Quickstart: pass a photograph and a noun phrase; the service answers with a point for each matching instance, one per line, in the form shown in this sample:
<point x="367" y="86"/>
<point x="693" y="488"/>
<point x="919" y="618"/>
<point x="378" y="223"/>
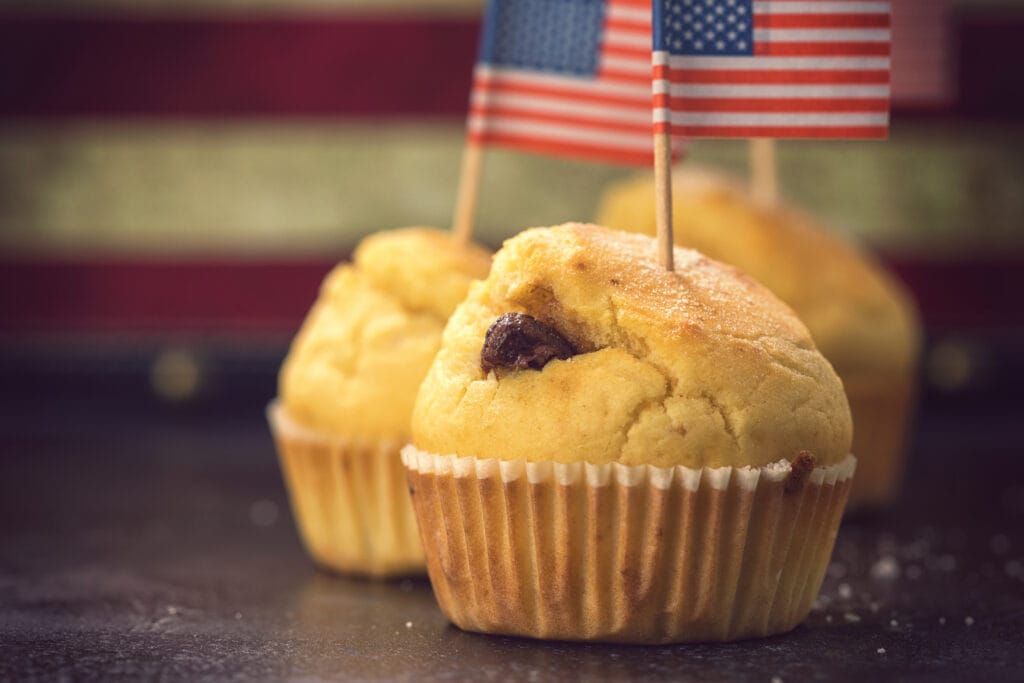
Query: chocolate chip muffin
<point x="863" y="321"/>
<point x="605" y="450"/>
<point x="346" y="395"/>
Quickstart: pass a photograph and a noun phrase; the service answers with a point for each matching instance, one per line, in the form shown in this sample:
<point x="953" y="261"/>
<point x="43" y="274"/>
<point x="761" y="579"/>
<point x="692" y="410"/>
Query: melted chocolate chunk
<point x="518" y="341"/>
<point x="800" y="468"/>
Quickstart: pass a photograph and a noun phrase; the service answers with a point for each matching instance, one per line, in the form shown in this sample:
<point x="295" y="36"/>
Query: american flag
<point x="773" y="68"/>
<point x="566" y="77"/>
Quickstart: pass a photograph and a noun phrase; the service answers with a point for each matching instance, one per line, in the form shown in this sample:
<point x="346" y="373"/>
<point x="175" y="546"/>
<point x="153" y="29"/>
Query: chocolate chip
<point x="800" y="469"/>
<point x="518" y="341"/>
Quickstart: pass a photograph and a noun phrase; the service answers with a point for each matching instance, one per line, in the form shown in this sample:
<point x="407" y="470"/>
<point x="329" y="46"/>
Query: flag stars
<point x="708" y="26"/>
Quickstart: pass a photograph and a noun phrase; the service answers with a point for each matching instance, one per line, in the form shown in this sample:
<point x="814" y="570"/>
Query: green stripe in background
<point x="304" y="189"/>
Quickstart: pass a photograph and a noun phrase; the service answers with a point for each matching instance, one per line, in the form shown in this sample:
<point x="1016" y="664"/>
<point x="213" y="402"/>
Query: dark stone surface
<point x="139" y="542"/>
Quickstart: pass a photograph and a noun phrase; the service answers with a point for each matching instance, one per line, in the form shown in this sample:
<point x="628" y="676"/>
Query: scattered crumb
<point x="969" y="621"/>
<point x="942" y="620"/>
<point x="172" y="610"/>
<point x="776" y="679"/>
<point x="845" y="592"/>
<point x="828" y="618"/>
<point x="885" y="568"/>
<point x="408" y="624"/>
<point x="874" y="607"/>
<point x="238" y="615"/>
<point x="851" y="618"/>
<point x="881" y="650"/>
<point x="893" y="623"/>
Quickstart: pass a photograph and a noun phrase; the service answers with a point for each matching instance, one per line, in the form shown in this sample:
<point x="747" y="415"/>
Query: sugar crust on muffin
<point x="699" y="367"/>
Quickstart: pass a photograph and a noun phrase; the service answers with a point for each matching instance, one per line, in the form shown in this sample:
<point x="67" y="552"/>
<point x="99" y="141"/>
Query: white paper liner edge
<point x="625" y="475"/>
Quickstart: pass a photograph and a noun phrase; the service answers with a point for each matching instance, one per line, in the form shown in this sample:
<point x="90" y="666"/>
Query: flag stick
<point x="763" y="171"/>
<point x="468" y="191"/>
<point x="663" y="197"/>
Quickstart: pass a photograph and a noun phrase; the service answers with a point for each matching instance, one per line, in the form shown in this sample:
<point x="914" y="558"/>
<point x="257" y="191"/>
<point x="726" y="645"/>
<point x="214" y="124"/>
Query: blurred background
<point x="176" y="176"/>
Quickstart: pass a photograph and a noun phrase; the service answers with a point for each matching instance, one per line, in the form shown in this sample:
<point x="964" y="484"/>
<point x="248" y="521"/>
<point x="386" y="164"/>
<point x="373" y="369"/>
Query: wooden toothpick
<point x="468" y="192"/>
<point x="663" y="198"/>
<point x="764" y="181"/>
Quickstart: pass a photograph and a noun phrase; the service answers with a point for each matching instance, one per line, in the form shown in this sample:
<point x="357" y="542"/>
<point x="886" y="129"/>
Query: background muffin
<point x="347" y="389"/>
<point x="861" y="319"/>
<point x="641" y="464"/>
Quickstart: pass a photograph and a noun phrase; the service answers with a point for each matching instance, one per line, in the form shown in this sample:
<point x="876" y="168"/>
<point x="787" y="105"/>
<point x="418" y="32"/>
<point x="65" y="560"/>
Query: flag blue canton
<point x="708" y="27"/>
<point x="558" y="36"/>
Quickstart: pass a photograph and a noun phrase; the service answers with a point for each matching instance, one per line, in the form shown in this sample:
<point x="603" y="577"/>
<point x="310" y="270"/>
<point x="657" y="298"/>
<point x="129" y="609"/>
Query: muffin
<point x="862" y="320"/>
<point x="606" y="450"/>
<point x="346" y="393"/>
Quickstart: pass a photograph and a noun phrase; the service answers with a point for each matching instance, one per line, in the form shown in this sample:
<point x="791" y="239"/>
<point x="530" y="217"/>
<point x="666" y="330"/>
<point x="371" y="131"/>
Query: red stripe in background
<point x="222" y="67"/>
<point x="83" y="295"/>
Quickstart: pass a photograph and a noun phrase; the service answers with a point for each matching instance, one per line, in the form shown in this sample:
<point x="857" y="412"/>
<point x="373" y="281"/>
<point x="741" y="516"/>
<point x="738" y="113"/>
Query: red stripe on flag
<point x="574" y="120"/>
<point x="768" y="105"/>
<point x="815" y="132"/>
<point x="564" y="93"/>
<point x="821" y="21"/>
<point x="562" y="148"/>
<point x="822" y="49"/>
<point x="640" y="53"/>
<point x="627" y="26"/>
<point x="787" y="77"/>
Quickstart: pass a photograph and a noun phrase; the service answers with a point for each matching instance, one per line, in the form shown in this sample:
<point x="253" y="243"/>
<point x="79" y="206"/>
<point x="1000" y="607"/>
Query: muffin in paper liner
<point x="349" y="499"/>
<point x="633" y="554"/>
<point x="881" y="409"/>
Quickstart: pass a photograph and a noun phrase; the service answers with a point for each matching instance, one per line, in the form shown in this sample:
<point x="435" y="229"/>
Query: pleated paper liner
<point x="633" y="554"/>
<point x="881" y="409"/>
<point x="350" y="500"/>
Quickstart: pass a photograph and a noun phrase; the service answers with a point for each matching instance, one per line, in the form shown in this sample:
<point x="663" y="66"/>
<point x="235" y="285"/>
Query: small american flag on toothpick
<point x="776" y="68"/>
<point x="566" y="77"/>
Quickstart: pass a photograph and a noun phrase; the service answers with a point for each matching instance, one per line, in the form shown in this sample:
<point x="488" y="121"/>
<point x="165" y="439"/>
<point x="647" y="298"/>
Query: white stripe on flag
<point x="512" y="77"/>
<point x="628" y="38"/>
<point x="787" y="119"/>
<point x="541" y="104"/>
<point x="640" y="142"/>
<point x="781" y="91"/>
<point x="769" y="63"/>
<point x="630" y="14"/>
<point x="822" y="35"/>
<point x="627" y="64"/>
<point x="816" y="7"/>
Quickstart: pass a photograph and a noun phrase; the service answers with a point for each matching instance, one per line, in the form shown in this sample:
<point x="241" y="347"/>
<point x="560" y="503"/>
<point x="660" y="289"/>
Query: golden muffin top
<point x="698" y="367"/>
<point x="860" y="317"/>
<point x="355" y="365"/>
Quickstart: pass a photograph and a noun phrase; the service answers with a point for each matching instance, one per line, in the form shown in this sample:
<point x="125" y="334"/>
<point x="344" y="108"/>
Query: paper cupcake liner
<point x="635" y="554"/>
<point x="881" y="410"/>
<point x="350" y="500"/>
